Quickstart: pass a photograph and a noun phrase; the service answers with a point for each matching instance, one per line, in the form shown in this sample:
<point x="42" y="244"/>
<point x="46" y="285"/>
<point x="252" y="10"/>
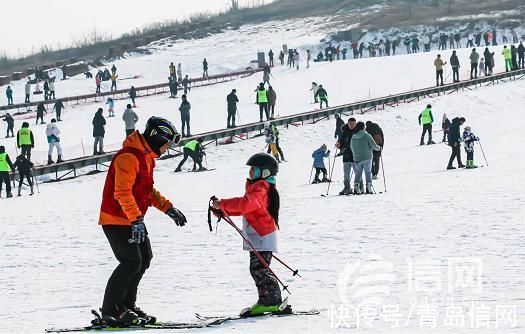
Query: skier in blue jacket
<point x="319" y="155"/>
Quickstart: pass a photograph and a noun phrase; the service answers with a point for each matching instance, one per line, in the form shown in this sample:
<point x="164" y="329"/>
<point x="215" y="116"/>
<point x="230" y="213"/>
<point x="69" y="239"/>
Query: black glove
<point x="178" y="217"/>
<point x="328" y="151"/>
<point x="138" y="232"/>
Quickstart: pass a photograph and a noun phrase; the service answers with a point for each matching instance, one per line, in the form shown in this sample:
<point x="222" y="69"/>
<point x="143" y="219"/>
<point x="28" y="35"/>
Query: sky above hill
<point x="30" y="24"/>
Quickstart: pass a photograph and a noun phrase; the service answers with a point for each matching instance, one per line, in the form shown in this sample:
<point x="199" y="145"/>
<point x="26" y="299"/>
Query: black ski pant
<point x="113" y="85"/>
<point x="456" y="154"/>
<point x="445" y="135"/>
<point x="41" y="118"/>
<point x="59" y="114"/>
<point x="185" y="120"/>
<point x="267" y="285"/>
<point x="426" y="128"/>
<point x="188" y="153"/>
<point x="474" y="70"/>
<point x="129" y="131"/>
<point x="10" y="129"/>
<point x="5" y="178"/>
<point x="27" y="99"/>
<point x="470" y="155"/>
<point x="271" y="110"/>
<point x="26" y="175"/>
<point x="521" y="60"/>
<point x="232" y="111"/>
<point x="26" y="150"/>
<point x="455" y="73"/>
<point x="134" y="259"/>
<point x="264" y="107"/>
<point x="318" y="171"/>
<point x="376" y="160"/>
<point x="439" y="75"/>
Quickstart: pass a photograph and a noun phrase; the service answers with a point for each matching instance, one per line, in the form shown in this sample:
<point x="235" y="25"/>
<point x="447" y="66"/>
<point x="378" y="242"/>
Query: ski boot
<point x="32" y="192"/>
<point x="59" y="160"/>
<point x="422" y="142"/>
<point x="325" y="179"/>
<point x="150" y="320"/>
<point x="49" y="160"/>
<point x="449" y="167"/>
<point x="357" y="189"/>
<point x="461" y="165"/>
<point x="125" y="319"/>
<point x="430" y="142"/>
<point x="19" y="191"/>
<point x="346" y="190"/>
<point x="316" y="180"/>
<point x="201" y="169"/>
<point x="9" y="195"/>
<point x="178" y="169"/>
<point x="369" y="189"/>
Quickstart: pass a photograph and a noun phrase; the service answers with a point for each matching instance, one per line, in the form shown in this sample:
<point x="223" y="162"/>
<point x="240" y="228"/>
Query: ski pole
<point x="481" y="146"/>
<point x="224" y="216"/>
<point x="239" y="116"/>
<point x="331" y="173"/>
<point x="295" y="272"/>
<point x="383" y="169"/>
<point x="311" y="172"/>
<point x="36" y="181"/>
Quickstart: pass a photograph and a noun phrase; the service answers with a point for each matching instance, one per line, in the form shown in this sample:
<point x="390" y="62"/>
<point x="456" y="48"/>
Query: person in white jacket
<point x="52" y="90"/>
<point x="314" y="89"/>
<point x="53" y="139"/>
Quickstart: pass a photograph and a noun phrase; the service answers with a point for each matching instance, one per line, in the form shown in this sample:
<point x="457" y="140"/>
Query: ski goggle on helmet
<point x="161" y="131"/>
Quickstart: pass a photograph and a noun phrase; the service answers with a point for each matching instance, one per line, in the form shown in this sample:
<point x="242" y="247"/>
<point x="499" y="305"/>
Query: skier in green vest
<point x="426" y="119"/>
<point x="262" y="101"/>
<point x="25" y="140"/>
<point x="6" y="167"/>
<point x="194" y="150"/>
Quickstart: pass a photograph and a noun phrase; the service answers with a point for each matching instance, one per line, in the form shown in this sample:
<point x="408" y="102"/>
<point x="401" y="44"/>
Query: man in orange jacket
<point x="128" y="193"/>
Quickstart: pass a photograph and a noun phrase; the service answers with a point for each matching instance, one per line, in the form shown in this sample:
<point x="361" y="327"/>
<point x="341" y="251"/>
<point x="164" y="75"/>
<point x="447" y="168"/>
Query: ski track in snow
<point x="55" y="259"/>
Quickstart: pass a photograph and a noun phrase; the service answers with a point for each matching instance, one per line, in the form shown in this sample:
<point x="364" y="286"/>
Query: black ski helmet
<point x="265" y="162"/>
<point x="158" y="132"/>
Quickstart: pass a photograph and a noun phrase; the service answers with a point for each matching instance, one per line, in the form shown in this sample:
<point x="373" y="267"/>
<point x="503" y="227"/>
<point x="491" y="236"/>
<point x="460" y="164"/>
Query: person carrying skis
<point x="319" y="155"/>
<point x="111" y="107"/>
<point x="10" y="124"/>
<point x="376" y="132"/>
<point x="24" y="167"/>
<point x="323" y="97"/>
<point x="262" y="101"/>
<point x="445" y="126"/>
<point x="58" y="109"/>
<point x="128" y="193"/>
<point x="25" y="140"/>
<point x="194" y="150"/>
<point x="426" y="119"/>
<point x="6" y="167"/>
<point x="53" y="139"/>
<point x="362" y="145"/>
<point x="454" y="141"/>
<point x="232" y="101"/>
<point x="259" y="208"/>
<point x="469" y="139"/>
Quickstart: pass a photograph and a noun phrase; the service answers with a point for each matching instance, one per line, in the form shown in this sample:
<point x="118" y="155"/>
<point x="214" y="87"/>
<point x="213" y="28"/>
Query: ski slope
<point x="346" y="81"/>
<point x="56" y="260"/>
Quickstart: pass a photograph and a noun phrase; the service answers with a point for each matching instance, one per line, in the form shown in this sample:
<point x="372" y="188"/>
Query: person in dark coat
<point x="204" y="68"/>
<point x="40" y="110"/>
<point x="99" y="131"/>
<point x="377" y="133"/>
<point x="232" y="100"/>
<point x="272" y="97"/>
<point x="184" y="109"/>
<point x="338" y="125"/>
<point x="46" y="90"/>
<point x="454" y="141"/>
<point x="173" y="87"/>
<point x="58" y="109"/>
<point x="514" y="54"/>
<point x="24" y="167"/>
<point x="521" y="55"/>
<point x="133" y="95"/>
<point x="343" y="144"/>
<point x="10" y="125"/>
<point x="454" y="62"/>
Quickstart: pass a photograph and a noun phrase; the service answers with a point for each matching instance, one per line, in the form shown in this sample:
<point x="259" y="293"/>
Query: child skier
<point x="482" y="66"/>
<point x="445" y="125"/>
<point x="111" y="107"/>
<point x="469" y="138"/>
<point x="24" y="169"/>
<point x="319" y="156"/>
<point x="271" y="140"/>
<point x="260" y="210"/>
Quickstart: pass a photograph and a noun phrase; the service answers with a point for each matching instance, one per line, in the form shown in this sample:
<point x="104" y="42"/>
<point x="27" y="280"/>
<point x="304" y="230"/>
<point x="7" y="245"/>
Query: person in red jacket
<point x="260" y="210"/>
<point x="128" y="193"/>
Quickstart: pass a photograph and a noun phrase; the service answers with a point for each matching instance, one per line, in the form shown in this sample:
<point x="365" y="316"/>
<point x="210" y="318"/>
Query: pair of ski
<point x="203" y="322"/>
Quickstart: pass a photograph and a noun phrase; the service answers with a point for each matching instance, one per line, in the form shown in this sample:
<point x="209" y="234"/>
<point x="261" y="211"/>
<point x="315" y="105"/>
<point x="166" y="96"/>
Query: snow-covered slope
<point x="55" y="259"/>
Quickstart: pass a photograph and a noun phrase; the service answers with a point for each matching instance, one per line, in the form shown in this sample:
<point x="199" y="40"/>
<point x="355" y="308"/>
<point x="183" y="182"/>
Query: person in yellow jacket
<point x="439" y="63"/>
<point x="6" y="167"/>
<point x="25" y="140"/>
<point x="193" y="149"/>
<point x="508" y="58"/>
<point x="114" y="78"/>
